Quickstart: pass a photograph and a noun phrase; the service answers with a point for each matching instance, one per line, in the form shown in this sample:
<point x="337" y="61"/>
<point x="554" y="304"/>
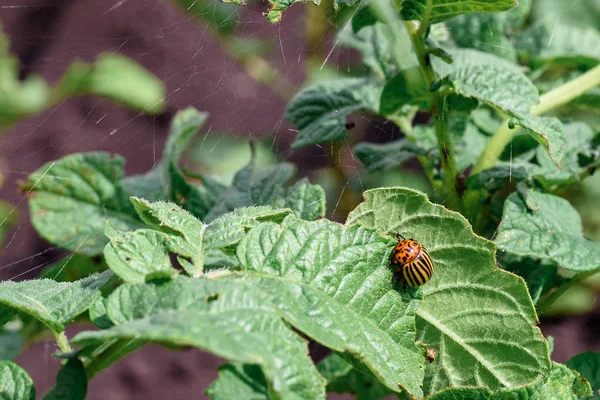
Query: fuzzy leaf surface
<point x="226" y="317"/>
<point x="588" y="365"/>
<point x="334" y="285"/>
<point x="544" y="226"/>
<point x="467" y="303"/>
<point x="72" y="198"/>
<point x="15" y="384"/>
<point x="50" y="302"/>
<point x="562" y="383"/>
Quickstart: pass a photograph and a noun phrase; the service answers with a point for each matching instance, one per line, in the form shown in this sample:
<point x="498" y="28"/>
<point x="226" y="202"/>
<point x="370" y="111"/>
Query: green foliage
<point x="239" y="260"/>
<point x="72" y="198"/>
<point x="15" y="383"/>
<point x="461" y="297"/>
<point x="71" y="382"/>
<point x="588" y="365"/>
<point x="53" y="303"/>
<point x="195" y="311"/>
<point x="320" y="111"/>
<point x="546" y="227"/>
<point x="239" y="381"/>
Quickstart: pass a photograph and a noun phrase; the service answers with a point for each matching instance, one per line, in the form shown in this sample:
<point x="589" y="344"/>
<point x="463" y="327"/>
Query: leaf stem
<point x="548" y="101"/>
<point x="545" y="303"/>
<point x="438" y="113"/>
<point x="63" y="342"/>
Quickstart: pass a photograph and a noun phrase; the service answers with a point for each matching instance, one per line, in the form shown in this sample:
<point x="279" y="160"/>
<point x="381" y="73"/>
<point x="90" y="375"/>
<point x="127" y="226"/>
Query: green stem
<point x="63" y="342"/>
<point x="549" y="101"/>
<point x="567" y="92"/>
<point x="441" y="120"/>
<point x="546" y="302"/>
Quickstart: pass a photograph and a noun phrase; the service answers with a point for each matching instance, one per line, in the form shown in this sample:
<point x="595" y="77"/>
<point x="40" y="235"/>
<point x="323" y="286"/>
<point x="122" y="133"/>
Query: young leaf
<point x="117" y="78"/>
<point x="195" y="311"/>
<point x="506" y="89"/>
<point x="230" y="228"/>
<point x="15" y="384"/>
<point x="198" y="199"/>
<point x="71" y="382"/>
<point x="465" y="293"/>
<point x="376" y="157"/>
<point x="588" y="365"/>
<point x="562" y="383"/>
<point x="72" y="198"/>
<point x="166" y="179"/>
<point x="185" y="231"/>
<point x="442" y="10"/>
<point x="135" y="255"/>
<point x="319" y="111"/>
<point x="333" y="284"/>
<point x="53" y="303"/>
<point x="261" y="187"/>
<point x="343" y="378"/>
<point x="548" y="228"/>
<point x="239" y="381"/>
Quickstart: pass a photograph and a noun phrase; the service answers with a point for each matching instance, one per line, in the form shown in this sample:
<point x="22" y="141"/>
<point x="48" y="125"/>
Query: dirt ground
<point x="49" y="34"/>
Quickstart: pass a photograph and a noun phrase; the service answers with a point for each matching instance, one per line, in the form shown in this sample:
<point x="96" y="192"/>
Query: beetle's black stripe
<point x="420" y="272"/>
<point x="427" y="259"/>
<point x="427" y="264"/>
<point x="408" y="276"/>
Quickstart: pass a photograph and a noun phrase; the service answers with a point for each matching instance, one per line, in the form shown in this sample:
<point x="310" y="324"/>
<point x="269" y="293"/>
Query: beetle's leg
<point x="399" y="236"/>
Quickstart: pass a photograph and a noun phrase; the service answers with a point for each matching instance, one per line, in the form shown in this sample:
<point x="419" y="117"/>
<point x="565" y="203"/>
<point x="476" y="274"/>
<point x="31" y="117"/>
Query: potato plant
<point x="253" y="270"/>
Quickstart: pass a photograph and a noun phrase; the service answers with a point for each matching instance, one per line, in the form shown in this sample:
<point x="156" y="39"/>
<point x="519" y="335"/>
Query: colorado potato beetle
<point x="413" y="262"/>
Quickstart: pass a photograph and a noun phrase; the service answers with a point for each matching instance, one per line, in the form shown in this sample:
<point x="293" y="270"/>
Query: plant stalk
<point x="63" y="342"/>
<point x="548" y="101"/>
<point x="441" y="121"/>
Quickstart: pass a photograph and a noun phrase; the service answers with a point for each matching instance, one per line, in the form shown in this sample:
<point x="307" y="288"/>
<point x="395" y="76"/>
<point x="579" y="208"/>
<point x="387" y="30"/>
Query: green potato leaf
<point x="514" y="94"/>
<point x="239" y="381"/>
<point x="72" y="198"/>
<point x="226" y="317"/>
<point x="15" y="384"/>
<point x="53" y="303"/>
<point x="562" y="383"/>
<point x="546" y="227"/>
<point x="319" y="111"/>
<point x="588" y="365"/>
<point x="467" y="303"/>
<point x="71" y="382"/>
